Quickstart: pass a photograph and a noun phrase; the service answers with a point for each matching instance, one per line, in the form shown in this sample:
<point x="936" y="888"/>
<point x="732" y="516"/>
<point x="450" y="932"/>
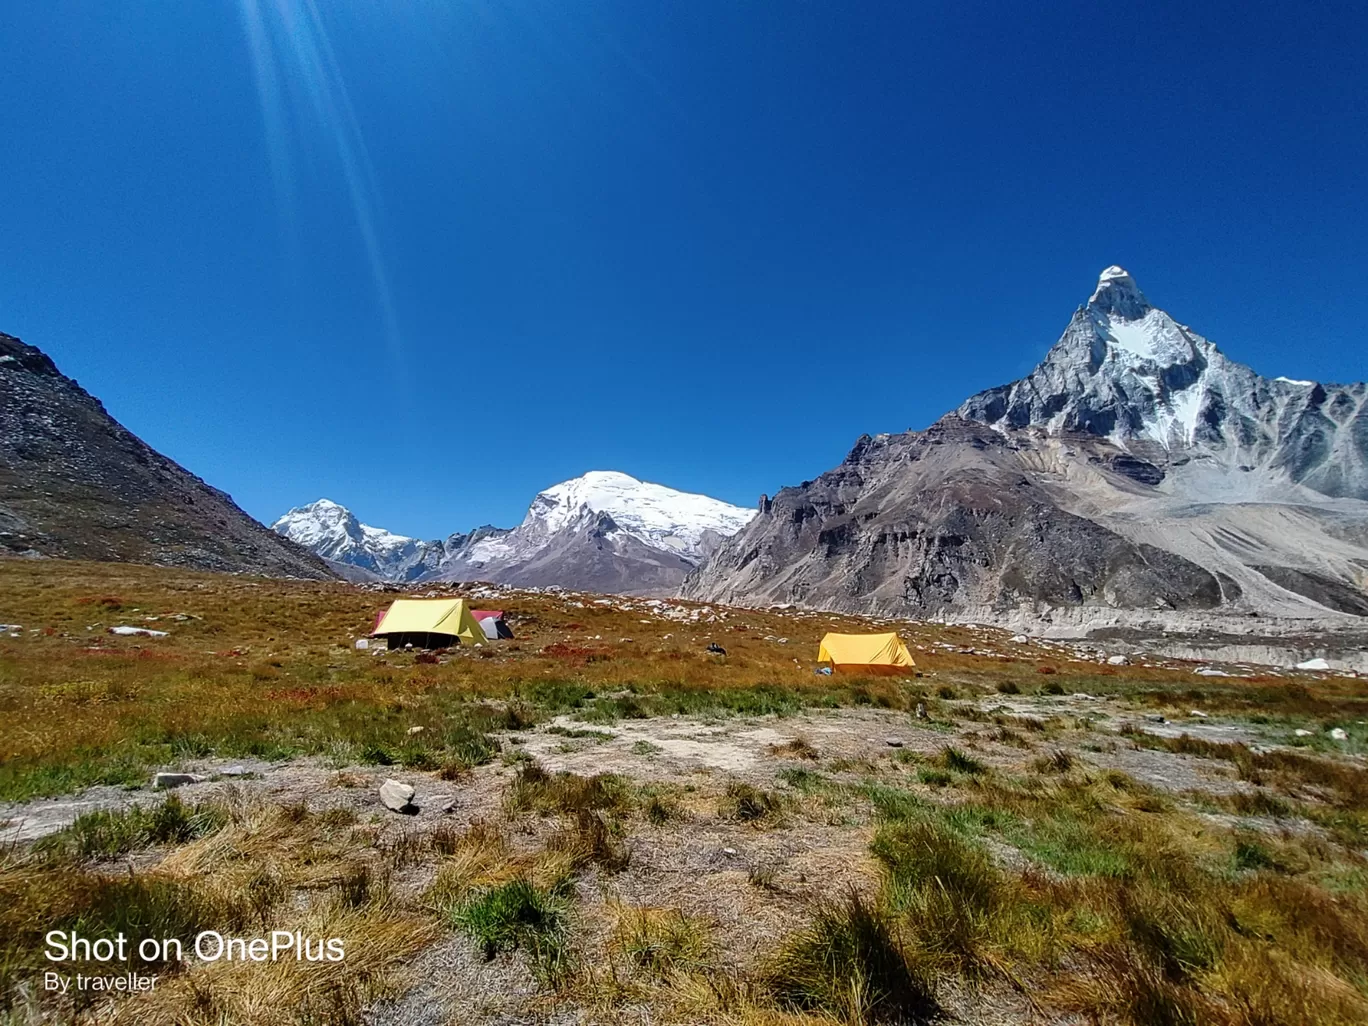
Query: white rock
<point x="397" y="797"/>
<point x="363" y="643"/>
<point x="1019" y="639"/>
<point x="1301" y="733"/>
<point x="1314" y="664"/>
<point x="416" y="730"/>
<point x="1198" y="713"/>
<point x="141" y="632"/>
<point x="1118" y="660"/>
<point x="1339" y="734"/>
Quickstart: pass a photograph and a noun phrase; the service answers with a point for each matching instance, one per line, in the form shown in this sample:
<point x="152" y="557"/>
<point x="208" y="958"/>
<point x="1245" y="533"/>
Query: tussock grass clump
<point x="796" y="748"/>
<point x="662" y="942"/>
<point x="536" y="790"/>
<point x="1058" y="761"/>
<point x="106" y="834"/>
<point x="520" y="915"/>
<point x="588" y="838"/>
<point x="954" y="760"/>
<point x="946" y="890"/>
<point x="749" y="804"/>
<point x="850" y="966"/>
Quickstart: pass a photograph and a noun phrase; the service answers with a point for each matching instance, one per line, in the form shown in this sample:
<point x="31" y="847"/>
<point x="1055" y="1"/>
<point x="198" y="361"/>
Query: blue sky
<point x="426" y="258"/>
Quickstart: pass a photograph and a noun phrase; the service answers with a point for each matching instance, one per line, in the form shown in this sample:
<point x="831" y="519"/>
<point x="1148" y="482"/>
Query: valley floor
<point x="611" y="825"/>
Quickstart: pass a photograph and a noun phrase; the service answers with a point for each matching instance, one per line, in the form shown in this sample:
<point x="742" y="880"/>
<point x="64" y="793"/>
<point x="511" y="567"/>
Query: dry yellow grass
<point x="1046" y="885"/>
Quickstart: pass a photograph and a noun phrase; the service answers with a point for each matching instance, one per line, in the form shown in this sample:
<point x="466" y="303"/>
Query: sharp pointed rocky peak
<point x="1118" y="295"/>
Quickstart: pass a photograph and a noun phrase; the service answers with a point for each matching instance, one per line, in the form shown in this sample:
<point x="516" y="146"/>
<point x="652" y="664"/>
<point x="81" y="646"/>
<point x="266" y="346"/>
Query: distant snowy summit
<point x="332" y="531"/>
<point x="604" y="531"/>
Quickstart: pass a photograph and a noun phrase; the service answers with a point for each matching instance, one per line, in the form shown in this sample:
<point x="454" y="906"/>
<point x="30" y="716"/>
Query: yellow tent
<point x="428" y="623"/>
<point x="864" y="651"/>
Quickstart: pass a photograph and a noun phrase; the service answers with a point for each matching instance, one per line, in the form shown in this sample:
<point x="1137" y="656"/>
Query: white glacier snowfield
<point x="682" y="524"/>
<point x="654" y="513"/>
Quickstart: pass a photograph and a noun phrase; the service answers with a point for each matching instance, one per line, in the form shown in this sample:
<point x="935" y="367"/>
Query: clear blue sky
<point x="426" y="258"/>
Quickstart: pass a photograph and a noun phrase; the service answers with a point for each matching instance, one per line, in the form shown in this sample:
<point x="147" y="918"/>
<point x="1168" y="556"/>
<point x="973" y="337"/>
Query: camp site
<point x="660" y="803"/>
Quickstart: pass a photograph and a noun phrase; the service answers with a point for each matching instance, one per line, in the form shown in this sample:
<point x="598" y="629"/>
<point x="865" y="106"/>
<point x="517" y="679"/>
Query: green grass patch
<point x="519" y="915"/>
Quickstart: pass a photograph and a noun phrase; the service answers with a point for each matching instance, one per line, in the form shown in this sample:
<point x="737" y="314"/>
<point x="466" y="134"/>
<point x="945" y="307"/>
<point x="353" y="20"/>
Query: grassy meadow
<point x="1005" y="835"/>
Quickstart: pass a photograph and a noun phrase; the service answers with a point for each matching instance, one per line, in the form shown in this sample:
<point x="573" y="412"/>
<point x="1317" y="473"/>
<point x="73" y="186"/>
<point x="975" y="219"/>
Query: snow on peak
<point x="1118" y="295"/>
<point x="658" y="515"/>
<point x="332" y="531"/>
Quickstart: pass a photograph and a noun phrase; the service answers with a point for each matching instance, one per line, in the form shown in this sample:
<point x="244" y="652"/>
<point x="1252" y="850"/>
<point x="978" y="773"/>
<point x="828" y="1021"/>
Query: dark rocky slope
<point x="74" y="483"/>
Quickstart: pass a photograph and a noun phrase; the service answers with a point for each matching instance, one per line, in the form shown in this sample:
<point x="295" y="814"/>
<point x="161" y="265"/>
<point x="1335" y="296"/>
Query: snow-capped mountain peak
<point x="332" y="531"/>
<point x="660" y="516"/>
<point x="604" y="530"/>
<point x="1128" y="372"/>
<point x="1117" y="294"/>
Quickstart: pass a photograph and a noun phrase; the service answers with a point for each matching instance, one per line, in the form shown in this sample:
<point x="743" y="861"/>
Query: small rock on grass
<point x="166" y="781"/>
<point x="397" y="796"/>
<point x="1339" y="734"/>
<point x="894" y="742"/>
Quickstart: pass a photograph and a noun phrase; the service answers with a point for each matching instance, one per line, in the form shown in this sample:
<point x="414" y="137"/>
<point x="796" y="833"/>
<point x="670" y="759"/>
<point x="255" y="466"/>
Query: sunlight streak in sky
<point x="301" y="89"/>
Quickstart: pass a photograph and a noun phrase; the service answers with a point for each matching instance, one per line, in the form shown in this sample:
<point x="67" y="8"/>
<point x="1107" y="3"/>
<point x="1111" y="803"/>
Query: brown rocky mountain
<point x="76" y="484"/>
<point x="1136" y="469"/>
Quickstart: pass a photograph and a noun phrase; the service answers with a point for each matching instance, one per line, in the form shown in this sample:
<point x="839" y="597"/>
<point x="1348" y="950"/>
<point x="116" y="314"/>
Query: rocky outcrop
<point x="931" y="522"/>
<point x="1136" y="468"/>
<point x="75" y="483"/>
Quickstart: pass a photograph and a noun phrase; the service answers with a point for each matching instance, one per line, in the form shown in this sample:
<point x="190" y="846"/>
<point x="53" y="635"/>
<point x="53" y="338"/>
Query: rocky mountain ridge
<point x="75" y="483"/>
<point x="603" y="531"/>
<point x="1136" y="469"/>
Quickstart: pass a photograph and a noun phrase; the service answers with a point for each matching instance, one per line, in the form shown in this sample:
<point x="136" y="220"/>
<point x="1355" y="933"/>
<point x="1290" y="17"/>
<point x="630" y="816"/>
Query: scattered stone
<point x="1299" y="732"/>
<point x="234" y="771"/>
<point x="1155" y="718"/>
<point x="1198" y="713"/>
<point x="1118" y="660"/>
<point x="1314" y="664"/>
<point x="1019" y="639"/>
<point x="921" y="710"/>
<point x="166" y="781"/>
<point x="140" y="632"/>
<point x="1339" y="734"/>
<point x="396" y="796"/>
<point x="416" y="730"/>
<point x="363" y="643"/>
<point x="729" y="851"/>
<point x="894" y="742"/>
<point x="446" y="806"/>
